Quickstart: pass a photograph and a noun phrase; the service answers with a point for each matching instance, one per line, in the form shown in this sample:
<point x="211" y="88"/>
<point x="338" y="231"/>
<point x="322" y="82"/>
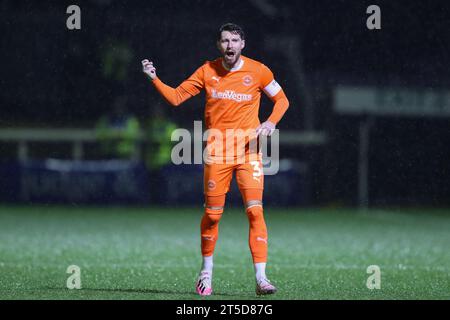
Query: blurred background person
<point x="119" y="132"/>
<point x="159" y="130"/>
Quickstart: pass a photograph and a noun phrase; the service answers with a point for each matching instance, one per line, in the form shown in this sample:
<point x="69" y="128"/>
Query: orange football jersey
<point x="232" y="96"/>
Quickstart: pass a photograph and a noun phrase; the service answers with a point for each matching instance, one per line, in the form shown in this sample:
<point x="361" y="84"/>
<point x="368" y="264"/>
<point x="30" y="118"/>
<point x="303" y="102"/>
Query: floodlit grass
<point x="154" y="253"/>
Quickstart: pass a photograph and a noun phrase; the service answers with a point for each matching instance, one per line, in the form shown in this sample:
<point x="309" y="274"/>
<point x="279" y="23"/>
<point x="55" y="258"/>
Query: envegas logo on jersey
<point x="231" y="95"/>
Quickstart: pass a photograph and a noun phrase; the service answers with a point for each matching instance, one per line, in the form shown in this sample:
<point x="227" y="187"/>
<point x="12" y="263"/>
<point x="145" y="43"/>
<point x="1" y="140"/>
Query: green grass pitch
<point x="153" y="253"/>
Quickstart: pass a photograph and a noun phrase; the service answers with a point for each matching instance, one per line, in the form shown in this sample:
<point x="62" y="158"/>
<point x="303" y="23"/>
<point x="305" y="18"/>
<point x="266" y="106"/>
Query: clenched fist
<point x="149" y="69"/>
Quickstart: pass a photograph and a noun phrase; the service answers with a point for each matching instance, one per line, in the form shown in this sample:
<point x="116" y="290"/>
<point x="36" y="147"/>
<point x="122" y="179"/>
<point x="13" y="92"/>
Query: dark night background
<point x="53" y="77"/>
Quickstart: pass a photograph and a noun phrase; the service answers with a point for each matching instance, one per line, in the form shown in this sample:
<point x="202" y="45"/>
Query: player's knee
<point x="213" y="218"/>
<point x="213" y="214"/>
<point x="254" y="209"/>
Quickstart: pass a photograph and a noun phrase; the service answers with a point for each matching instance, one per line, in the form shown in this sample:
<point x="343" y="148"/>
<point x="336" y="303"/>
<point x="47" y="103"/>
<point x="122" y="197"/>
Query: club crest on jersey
<point x="211" y="184"/>
<point x="247" y="80"/>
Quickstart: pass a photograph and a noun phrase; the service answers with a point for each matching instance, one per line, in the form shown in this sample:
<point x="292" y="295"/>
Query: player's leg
<point x="209" y="228"/>
<point x="250" y="179"/>
<point x="217" y="179"/>
<point x="251" y="183"/>
<point x="258" y="238"/>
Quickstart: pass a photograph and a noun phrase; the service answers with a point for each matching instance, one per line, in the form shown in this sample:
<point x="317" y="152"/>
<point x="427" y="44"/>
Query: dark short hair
<point x="233" y="28"/>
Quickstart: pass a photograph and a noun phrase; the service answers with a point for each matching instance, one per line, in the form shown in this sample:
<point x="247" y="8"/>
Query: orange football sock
<point x="209" y="226"/>
<point x="257" y="237"/>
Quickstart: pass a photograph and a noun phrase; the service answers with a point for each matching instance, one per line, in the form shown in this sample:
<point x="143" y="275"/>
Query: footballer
<point x="233" y="84"/>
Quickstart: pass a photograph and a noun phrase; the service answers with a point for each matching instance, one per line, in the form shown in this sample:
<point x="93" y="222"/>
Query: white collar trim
<point x="235" y="68"/>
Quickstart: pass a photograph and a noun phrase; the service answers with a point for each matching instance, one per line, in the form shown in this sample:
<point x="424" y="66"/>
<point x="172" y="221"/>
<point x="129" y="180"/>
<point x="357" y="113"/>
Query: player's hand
<point x="149" y="69"/>
<point x="265" y="129"/>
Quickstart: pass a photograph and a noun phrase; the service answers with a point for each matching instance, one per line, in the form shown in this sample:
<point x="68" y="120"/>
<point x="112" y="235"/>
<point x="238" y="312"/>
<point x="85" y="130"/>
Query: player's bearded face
<point x="230" y="45"/>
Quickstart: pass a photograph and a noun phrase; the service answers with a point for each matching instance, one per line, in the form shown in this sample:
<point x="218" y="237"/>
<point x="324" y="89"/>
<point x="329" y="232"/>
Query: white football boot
<point x="204" y="285"/>
<point x="263" y="287"/>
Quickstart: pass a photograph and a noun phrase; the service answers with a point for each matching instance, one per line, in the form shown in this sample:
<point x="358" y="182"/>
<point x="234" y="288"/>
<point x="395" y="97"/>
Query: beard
<point x="231" y="60"/>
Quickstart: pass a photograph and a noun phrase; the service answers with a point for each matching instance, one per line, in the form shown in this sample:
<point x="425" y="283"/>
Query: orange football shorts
<point x="218" y="176"/>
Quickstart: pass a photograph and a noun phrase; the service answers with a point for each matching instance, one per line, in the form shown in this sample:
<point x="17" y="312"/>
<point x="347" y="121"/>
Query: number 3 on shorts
<point x="257" y="172"/>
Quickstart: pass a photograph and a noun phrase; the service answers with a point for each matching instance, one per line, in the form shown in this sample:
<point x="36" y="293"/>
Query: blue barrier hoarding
<point x="79" y="182"/>
<point x="127" y="182"/>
